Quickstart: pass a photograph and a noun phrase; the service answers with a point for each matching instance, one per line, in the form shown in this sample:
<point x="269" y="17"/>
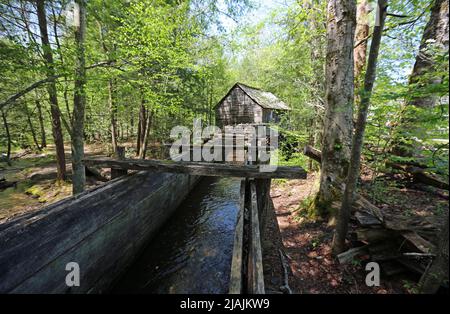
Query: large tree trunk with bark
<point x="353" y="170"/>
<point x="52" y="93"/>
<point x="79" y="103"/>
<point x="336" y="142"/>
<point x="436" y="34"/>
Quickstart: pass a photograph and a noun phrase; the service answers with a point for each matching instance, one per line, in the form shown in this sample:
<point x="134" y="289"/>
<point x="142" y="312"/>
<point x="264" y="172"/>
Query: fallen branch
<point x="420" y="175"/>
<point x="349" y="255"/>
<point x="285" y="287"/>
<point x="20" y="155"/>
<point x="313" y="153"/>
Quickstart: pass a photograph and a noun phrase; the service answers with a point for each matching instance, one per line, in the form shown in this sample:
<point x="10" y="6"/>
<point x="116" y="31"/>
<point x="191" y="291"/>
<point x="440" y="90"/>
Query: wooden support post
<point x="120" y="155"/>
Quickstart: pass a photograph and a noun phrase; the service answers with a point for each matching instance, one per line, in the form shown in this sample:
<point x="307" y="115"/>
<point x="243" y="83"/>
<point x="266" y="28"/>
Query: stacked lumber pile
<point x="397" y="243"/>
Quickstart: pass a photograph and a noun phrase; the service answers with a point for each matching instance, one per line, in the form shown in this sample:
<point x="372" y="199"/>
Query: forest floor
<point x="35" y="174"/>
<point x="307" y="242"/>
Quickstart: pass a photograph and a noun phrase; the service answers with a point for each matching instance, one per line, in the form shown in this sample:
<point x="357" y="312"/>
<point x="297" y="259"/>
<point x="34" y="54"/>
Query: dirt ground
<point x="307" y="243"/>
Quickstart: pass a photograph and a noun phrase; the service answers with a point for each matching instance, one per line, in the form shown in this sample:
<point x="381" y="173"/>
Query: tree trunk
<point x="113" y="113"/>
<point x="144" y="127"/>
<point x="30" y="124"/>
<point x="79" y="103"/>
<point x="311" y="137"/>
<point x="52" y="93"/>
<point x="41" y="124"/>
<point x="146" y="136"/>
<point x="138" y="141"/>
<point x="436" y="32"/>
<point x="353" y="170"/>
<point x="210" y="102"/>
<point x="141" y="128"/>
<point x="127" y="130"/>
<point x="336" y="143"/>
<point x="438" y="272"/>
<point x="8" y="136"/>
<point x="131" y="123"/>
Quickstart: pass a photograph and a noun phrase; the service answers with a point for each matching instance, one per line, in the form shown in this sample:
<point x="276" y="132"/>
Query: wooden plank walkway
<point x="199" y="168"/>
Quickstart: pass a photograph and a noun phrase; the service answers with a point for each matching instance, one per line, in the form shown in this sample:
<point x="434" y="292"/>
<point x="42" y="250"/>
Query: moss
<point x="307" y="210"/>
<point x="279" y="182"/>
<point x="321" y="207"/>
<point x="50" y="191"/>
<point x="35" y="190"/>
<point x="337" y="145"/>
<point x="325" y="208"/>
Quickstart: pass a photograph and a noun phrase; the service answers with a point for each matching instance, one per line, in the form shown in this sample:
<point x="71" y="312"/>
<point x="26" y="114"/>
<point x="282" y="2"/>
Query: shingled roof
<point x="265" y="99"/>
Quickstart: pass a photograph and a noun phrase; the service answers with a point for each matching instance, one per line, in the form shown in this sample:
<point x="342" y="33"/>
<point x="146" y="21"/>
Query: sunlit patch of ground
<point x="35" y="174"/>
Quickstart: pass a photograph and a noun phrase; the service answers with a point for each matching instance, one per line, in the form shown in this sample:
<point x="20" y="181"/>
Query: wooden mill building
<point x="244" y="104"/>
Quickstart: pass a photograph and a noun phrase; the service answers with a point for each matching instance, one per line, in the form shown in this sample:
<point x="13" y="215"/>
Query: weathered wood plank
<point x="364" y="219"/>
<point x="255" y="269"/>
<point x="200" y="168"/>
<point x="420" y="243"/>
<point x="235" y="286"/>
<point x="348" y="256"/>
